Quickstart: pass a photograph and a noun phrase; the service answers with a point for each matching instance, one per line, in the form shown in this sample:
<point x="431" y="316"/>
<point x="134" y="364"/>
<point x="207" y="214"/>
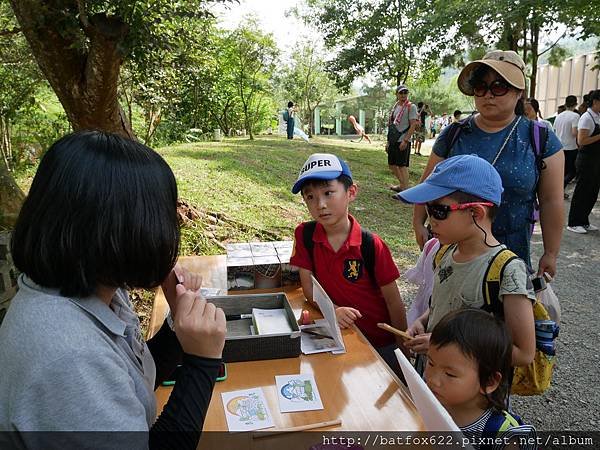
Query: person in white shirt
<point x="565" y="126"/>
<point x="588" y="167"/>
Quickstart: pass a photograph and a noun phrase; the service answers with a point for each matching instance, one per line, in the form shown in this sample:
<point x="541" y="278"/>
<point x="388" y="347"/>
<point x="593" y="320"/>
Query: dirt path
<point x="573" y="401"/>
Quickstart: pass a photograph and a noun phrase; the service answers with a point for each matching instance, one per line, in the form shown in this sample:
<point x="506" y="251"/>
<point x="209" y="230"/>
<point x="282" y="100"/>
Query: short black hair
<point x="457" y="113"/>
<point x="344" y="179"/>
<point x="463" y="197"/>
<point x="479" y="73"/>
<point x="290" y="104"/>
<point x="420" y="105"/>
<point x="591" y="96"/>
<point x="101" y="210"/>
<point x="483" y="338"/>
<point x="571" y="101"/>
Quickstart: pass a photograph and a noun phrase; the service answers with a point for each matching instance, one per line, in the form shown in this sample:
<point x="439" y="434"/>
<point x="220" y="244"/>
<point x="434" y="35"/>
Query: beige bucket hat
<point x="507" y="63"/>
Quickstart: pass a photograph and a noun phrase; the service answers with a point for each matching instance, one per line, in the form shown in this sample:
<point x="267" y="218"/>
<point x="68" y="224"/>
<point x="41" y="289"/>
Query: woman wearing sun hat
<point x="500" y="133"/>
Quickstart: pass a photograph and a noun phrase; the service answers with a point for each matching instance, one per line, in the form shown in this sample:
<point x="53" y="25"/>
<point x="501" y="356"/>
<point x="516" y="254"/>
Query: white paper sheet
<point x="328" y="311"/>
<point x="246" y="410"/>
<point x="435" y="417"/>
<point x="298" y="393"/>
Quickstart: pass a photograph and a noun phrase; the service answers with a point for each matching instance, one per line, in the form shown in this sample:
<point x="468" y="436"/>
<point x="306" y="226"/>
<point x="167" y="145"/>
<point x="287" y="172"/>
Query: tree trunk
<point x="11" y="199"/>
<point x="84" y="75"/>
<point x="535" y="37"/>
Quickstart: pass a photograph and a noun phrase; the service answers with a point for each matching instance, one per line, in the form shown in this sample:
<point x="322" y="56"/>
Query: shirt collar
<point x="354" y="238"/>
<point x="93" y="305"/>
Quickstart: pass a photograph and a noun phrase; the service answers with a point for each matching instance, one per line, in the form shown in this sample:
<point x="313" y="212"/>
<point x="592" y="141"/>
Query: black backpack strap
<point x="367" y="250"/>
<point x="539" y="138"/>
<point x="454" y="130"/>
<point x="307" y="238"/>
<point x="492" y="280"/>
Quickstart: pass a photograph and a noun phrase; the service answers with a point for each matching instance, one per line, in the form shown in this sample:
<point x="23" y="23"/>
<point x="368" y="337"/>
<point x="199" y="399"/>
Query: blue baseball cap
<point x="321" y="166"/>
<point x="465" y="173"/>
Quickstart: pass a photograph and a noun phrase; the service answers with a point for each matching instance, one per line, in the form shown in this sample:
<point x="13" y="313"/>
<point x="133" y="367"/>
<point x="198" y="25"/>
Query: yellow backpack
<point x="536" y="377"/>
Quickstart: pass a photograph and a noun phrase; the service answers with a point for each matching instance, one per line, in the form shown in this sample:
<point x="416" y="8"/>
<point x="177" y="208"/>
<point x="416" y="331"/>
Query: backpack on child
<point x="498" y="423"/>
<point x="536" y="377"/>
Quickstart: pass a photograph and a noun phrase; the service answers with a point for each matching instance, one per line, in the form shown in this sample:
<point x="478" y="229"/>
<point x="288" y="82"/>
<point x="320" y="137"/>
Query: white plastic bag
<point x="548" y="298"/>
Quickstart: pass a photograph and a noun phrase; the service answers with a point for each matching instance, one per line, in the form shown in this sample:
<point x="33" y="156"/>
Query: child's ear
<point x="478" y="212"/>
<point x="492" y="383"/>
<point x="352" y="191"/>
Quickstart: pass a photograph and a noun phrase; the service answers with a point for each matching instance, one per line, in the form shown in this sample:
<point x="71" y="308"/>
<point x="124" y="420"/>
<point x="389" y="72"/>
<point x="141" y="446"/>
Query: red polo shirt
<point x="345" y="279"/>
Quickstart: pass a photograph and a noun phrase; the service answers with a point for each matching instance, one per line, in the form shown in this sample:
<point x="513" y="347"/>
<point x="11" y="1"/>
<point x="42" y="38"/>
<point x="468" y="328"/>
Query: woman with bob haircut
<point x="101" y="217"/>
<point x="500" y="133"/>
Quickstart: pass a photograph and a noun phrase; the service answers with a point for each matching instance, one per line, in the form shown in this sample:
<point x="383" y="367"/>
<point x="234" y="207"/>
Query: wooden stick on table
<point x="396" y="331"/>
<point x="310" y="426"/>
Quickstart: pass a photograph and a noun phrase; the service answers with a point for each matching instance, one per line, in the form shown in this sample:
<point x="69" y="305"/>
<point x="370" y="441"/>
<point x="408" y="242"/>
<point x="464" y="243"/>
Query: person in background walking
<point x="588" y="167"/>
<point x="419" y="135"/>
<point x="565" y="126"/>
<point x="401" y="126"/>
<point x="532" y="112"/>
<point x="456" y="115"/>
<point x="291" y="114"/>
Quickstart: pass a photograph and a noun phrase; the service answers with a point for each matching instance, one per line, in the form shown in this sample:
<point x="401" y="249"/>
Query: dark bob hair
<point x="102" y="210"/>
<point x="479" y="73"/>
<point x="592" y="95"/>
<point x="483" y="338"/>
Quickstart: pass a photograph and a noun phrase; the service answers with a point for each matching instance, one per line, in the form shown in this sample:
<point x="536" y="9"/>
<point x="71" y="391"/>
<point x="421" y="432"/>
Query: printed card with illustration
<point x="246" y="410"/>
<point x="298" y="393"/>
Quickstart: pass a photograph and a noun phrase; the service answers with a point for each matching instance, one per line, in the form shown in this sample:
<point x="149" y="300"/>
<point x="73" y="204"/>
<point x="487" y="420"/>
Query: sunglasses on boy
<point x="498" y="88"/>
<point x="440" y="212"/>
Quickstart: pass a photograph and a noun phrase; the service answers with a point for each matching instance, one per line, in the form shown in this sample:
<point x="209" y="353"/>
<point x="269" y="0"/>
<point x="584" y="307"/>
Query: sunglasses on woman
<point x="440" y="212"/>
<point x="498" y="88"/>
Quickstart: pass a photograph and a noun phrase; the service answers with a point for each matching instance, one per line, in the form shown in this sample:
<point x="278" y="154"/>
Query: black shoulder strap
<point x="454" y="130"/>
<point x="493" y="279"/>
<point x="539" y="138"/>
<point x="367" y="250"/>
<point x="307" y="235"/>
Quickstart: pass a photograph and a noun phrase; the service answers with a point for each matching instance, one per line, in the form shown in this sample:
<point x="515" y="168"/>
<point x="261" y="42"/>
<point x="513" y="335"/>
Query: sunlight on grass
<point x="250" y="181"/>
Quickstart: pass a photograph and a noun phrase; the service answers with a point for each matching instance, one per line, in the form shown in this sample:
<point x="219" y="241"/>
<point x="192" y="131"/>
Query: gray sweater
<point x="73" y="364"/>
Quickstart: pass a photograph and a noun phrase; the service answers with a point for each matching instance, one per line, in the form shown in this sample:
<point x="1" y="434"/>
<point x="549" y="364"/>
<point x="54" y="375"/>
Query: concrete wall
<point x="574" y="77"/>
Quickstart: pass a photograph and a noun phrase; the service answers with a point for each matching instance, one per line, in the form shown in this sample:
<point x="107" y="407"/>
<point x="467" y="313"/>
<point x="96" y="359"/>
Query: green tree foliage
<point x="380" y="37"/>
<point x="81" y="45"/>
<point x="254" y="58"/>
<point x="306" y="81"/>
<point x="457" y="25"/>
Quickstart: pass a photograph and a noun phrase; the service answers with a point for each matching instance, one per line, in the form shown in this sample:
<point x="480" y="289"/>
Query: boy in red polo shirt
<point x="336" y="258"/>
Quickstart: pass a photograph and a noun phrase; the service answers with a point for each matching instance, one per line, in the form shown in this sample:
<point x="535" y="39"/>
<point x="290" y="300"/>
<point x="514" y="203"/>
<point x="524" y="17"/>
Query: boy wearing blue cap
<point x="354" y="266"/>
<point x="461" y="197"/>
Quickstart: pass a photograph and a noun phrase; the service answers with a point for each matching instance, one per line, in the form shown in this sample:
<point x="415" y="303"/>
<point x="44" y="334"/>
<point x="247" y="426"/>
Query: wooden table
<point x="356" y="387"/>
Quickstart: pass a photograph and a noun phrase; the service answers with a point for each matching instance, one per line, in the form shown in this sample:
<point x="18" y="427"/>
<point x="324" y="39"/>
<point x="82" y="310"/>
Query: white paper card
<point x="328" y="310"/>
<point x="246" y="410"/>
<point x="298" y="393"/>
<point x="434" y="415"/>
<point x="271" y="321"/>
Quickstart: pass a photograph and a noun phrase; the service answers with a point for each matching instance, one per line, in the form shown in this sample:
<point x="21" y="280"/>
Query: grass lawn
<point x="241" y="190"/>
<point x="246" y="185"/>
